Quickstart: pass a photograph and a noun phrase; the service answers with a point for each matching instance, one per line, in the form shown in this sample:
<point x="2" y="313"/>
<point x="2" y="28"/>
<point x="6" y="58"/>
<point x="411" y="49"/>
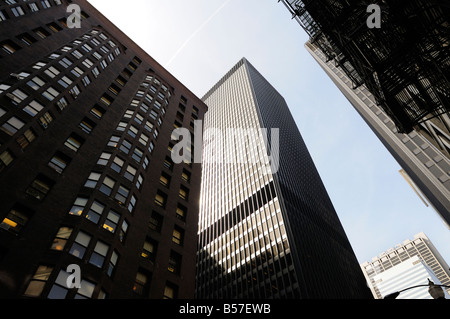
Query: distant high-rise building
<point x="422" y="162"/>
<point x="410" y="277"/>
<point x="86" y="175"/>
<point x="267" y="226"/>
<point x="420" y="247"/>
<point x="402" y="59"/>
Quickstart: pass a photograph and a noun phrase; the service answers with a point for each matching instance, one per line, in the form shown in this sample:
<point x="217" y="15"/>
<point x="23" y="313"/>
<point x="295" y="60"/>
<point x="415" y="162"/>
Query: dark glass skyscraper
<point x="266" y="231"/>
<point x="86" y="175"/>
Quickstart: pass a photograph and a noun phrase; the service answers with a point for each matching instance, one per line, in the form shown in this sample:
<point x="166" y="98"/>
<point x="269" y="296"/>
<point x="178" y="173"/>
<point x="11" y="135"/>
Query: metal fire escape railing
<point x="405" y="63"/>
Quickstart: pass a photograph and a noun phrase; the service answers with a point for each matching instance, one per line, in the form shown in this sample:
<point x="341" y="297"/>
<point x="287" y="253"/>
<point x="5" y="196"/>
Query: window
<point x="59" y="289"/>
<point x="132" y="131"/>
<point x="151" y="147"/>
<point x="17" y="96"/>
<point x="45" y="120"/>
<point x="54" y="27"/>
<point x="9" y="47"/>
<point x="65" y="62"/>
<point x="143" y="139"/>
<point x="153" y="114"/>
<point x="95" y="212"/>
<point x="130" y="173"/>
<point x="15" y="221"/>
<point x="12" y="126"/>
<point x="65" y="81"/>
<point x="59" y="162"/>
<point x="78" y="206"/>
<point x="6" y="158"/>
<point x="112" y="263"/>
<point x="117" y="164"/>
<point x="97" y="111"/>
<point x="38" y="281"/>
<point x="139" y="118"/>
<point x="41" y="32"/>
<point x="170" y="291"/>
<point x="121" y="81"/>
<point x="145" y="163"/>
<point x="149" y="126"/>
<point x="87" y="63"/>
<point x="40" y="187"/>
<point x="183" y="193"/>
<point x="174" y="263"/>
<point x="74" y="142"/>
<point x="132" y="203"/>
<point x="140" y="284"/>
<point x="113" y="141"/>
<point x="86" y="81"/>
<point x="160" y="199"/>
<point x="92" y="180"/>
<point x="121" y="126"/>
<point x="177" y="236"/>
<point x="156" y="221"/>
<point x="60" y="240"/>
<point x="39" y="65"/>
<point x="80" y="245"/>
<point x="86" y="47"/>
<point x="104" y="158"/>
<point x="25" y="139"/>
<point x="144" y="107"/>
<point x="95" y="72"/>
<point x="125" y="147"/>
<point x="139" y="181"/>
<point x="86" y="290"/>
<point x="45" y="4"/>
<point x="36" y="83"/>
<point x="168" y="163"/>
<point x="164" y="179"/>
<point x="107" y="186"/>
<point x="79" y="72"/>
<point x="137" y="154"/>
<point x="33" y="108"/>
<point x="87" y="125"/>
<point x="97" y="55"/>
<point x="3" y="15"/>
<point x="67" y="48"/>
<point x="50" y="93"/>
<point x="186" y="176"/>
<point x="99" y="254"/>
<point x="114" y="89"/>
<point x="123" y="231"/>
<point x="181" y="212"/>
<point x="4" y="87"/>
<point x="149" y="249"/>
<point x="111" y="221"/>
<point x="122" y="194"/>
<point x="52" y="72"/>
<point x="75" y="91"/>
<point x="77" y="54"/>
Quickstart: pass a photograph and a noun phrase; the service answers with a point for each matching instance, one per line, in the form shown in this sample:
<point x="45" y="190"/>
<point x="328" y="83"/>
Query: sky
<point x="199" y="41"/>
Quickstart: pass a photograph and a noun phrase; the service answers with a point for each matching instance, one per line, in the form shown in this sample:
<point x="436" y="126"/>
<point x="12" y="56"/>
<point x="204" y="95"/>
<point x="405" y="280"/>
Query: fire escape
<point x="405" y="63"/>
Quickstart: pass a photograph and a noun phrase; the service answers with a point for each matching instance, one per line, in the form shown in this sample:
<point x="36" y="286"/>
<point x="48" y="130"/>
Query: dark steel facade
<point x="405" y="63"/>
<point x="275" y="235"/>
<point x="86" y="118"/>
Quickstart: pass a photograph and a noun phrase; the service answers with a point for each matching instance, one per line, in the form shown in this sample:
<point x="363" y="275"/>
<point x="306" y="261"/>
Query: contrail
<point x="197" y="31"/>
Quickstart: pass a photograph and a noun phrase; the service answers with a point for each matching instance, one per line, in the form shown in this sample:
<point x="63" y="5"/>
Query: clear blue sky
<point x="198" y="41"/>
